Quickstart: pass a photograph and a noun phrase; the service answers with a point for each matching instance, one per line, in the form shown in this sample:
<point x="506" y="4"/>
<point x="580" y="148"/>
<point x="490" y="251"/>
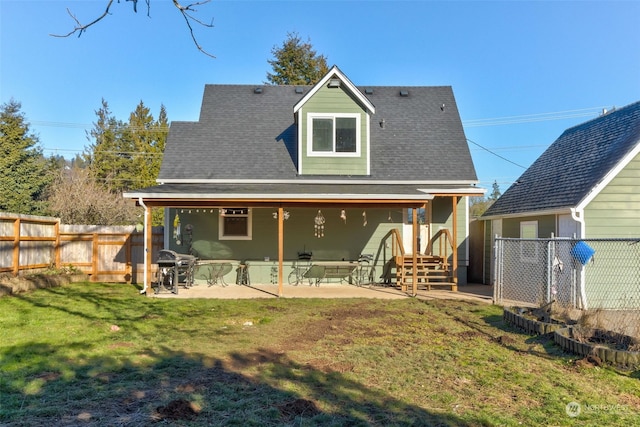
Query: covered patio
<point x="279" y="200"/>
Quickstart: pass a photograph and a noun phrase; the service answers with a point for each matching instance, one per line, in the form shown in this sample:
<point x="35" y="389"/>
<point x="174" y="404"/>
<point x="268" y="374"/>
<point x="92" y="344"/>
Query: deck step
<point x="431" y="271"/>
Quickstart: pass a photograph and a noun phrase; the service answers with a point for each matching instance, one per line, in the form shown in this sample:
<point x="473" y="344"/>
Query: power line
<point x="495" y="154"/>
<point x="494" y="121"/>
<point x="538" y="117"/>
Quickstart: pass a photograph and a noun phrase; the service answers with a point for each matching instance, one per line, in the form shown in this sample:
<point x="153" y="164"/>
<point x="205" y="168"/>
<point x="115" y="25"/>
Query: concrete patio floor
<point x="472" y="292"/>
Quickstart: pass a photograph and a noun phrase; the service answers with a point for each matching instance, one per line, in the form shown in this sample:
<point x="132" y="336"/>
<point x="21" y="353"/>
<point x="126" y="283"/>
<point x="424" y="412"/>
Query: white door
<point x="407" y="237"/>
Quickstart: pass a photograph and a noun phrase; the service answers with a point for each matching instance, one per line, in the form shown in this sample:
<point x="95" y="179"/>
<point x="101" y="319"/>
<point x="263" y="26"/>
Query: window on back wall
<point x="234" y="224"/>
<point x="333" y="134"/>
<point x="529" y="248"/>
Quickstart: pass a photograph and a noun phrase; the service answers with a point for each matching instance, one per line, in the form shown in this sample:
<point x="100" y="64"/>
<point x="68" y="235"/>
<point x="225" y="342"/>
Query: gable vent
<point x="334" y="83"/>
<point x="404" y="93"/>
<point x="257" y="90"/>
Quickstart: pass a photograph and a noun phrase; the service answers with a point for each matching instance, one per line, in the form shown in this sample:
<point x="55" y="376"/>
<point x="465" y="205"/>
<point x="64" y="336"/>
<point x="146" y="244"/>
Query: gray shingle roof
<point x="573" y="165"/>
<point x="244" y="135"/>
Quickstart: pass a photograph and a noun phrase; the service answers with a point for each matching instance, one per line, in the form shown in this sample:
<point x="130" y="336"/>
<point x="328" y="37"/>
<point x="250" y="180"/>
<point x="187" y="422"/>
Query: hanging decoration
<point x="364" y="218"/>
<point x="319" y="225"/>
<point x="285" y="215"/>
<point x="390" y="219"/>
<point x="176" y="230"/>
<point x="343" y="215"/>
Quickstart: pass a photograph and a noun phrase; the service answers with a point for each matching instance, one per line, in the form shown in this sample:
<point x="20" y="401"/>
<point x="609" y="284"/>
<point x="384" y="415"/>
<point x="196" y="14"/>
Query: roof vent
<point x="257" y="90"/>
<point x="404" y="93"/>
<point x="299" y="90"/>
<point x="334" y="83"/>
<point x="368" y="91"/>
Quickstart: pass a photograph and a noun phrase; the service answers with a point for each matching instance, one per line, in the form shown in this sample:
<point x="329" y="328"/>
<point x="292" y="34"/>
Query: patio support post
<point x="414" y="286"/>
<point x="454" y="264"/>
<point x="280" y="248"/>
<point x="148" y="256"/>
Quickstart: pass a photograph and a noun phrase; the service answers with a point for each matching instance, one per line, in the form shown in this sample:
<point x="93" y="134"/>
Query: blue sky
<point x="522" y="71"/>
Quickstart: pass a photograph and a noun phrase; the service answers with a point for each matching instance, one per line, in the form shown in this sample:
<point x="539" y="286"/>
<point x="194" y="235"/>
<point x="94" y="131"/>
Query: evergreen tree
<point x="23" y="169"/>
<point x="127" y="156"/>
<point x="296" y="63"/>
<point x="106" y="157"/>
<point x="495" y="192"/>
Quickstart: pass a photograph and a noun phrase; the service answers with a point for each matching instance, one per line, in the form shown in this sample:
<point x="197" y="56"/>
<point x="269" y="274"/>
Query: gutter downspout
<point x="146" y="249"/>
<point x="577" y="216"/>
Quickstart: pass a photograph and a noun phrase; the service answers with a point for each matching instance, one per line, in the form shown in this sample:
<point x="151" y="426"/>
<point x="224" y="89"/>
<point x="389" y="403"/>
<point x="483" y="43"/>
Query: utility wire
<point x="538" y="117"/>
<point x="495" y="154"/>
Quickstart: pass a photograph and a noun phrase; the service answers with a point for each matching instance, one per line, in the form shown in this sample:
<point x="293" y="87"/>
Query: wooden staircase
<point x="430" y="271"/>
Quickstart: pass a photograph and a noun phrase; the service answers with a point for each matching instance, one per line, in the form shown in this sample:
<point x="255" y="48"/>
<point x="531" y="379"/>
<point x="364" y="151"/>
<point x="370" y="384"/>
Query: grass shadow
<point x="193" y="389"/>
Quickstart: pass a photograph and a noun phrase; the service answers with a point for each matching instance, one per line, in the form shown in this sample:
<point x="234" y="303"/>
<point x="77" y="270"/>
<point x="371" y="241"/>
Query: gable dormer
<point x="333" y="128"/>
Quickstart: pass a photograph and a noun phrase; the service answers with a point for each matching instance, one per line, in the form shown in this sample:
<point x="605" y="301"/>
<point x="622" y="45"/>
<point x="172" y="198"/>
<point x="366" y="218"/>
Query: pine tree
<point x="127" y="156"/>
<point x="107" y="157"/>
<point x="23" y="169"/>
<point x="495" y="192"/>
<point x="296" y="63"/>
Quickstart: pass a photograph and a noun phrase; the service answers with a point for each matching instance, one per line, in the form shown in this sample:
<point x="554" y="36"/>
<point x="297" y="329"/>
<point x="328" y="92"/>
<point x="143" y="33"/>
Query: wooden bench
<point x="321" y="270"/>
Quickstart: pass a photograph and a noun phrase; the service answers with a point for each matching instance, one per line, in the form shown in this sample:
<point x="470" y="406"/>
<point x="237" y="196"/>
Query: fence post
<point x="56" y="245"/>
<point x="128" y="262"/>
<point x="94" y="256"/>
<point x="16" y="246"/>
<point x="550" y="259"/>
<point x="497" y="280"/>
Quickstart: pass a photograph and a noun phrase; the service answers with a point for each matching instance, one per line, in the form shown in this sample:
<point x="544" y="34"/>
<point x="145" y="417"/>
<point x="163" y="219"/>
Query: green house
<point x="333" y="171"/>
<point x="586" y="185"/>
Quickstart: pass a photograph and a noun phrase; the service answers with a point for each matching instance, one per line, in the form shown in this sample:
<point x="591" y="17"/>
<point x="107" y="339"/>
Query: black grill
<point x="174" y="269"/>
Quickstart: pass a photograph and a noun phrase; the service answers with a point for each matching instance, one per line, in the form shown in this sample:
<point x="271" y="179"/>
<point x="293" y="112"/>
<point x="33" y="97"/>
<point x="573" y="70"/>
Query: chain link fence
<point x="594" y="278"/>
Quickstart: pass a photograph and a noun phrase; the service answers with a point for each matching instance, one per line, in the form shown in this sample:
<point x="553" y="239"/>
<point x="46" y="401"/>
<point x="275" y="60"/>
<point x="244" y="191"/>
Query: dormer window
<point x="333" y="134"/>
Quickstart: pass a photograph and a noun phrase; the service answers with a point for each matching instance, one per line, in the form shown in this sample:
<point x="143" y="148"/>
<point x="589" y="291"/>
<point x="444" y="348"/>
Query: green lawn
<point x="95" y="354"/>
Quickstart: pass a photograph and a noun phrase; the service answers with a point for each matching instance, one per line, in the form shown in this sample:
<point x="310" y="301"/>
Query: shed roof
<point x="571" y="168"/>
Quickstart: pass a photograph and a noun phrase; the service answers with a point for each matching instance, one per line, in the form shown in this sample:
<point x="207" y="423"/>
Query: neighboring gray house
<point x="333" y="169"/>
<point x="585" y="185"/>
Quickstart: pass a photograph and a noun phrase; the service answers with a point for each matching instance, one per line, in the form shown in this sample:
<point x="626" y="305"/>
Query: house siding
<point x="334" y="101"/>
<point x="343" y="240"/>
<point x="441" y="212"/>
<point x="615" y="211"/>
<point x="546" y="225"/>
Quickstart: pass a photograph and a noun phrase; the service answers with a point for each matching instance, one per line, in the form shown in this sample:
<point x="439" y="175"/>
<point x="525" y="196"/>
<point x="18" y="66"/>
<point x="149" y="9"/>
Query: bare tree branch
<point x="80" y="28"/>
<point x="185" y="10"/>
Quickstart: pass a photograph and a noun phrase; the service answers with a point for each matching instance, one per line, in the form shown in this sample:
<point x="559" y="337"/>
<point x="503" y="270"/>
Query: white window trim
<point x="311" y="116"/>
<point x="221" y="216"/>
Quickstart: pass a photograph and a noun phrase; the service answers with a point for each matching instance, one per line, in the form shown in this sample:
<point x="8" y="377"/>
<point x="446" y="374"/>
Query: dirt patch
<point x="10" y="285"/>
<point x="179" y="409"/>
<point x="335" y="322"/>
<point x="609" y="339"/>
<point x="298" y="408"/>
<point x="589" y="361"/>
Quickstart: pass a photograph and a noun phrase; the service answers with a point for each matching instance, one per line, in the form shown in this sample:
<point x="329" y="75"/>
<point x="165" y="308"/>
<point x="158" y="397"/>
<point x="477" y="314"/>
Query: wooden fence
<point x="106" y="253"/>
